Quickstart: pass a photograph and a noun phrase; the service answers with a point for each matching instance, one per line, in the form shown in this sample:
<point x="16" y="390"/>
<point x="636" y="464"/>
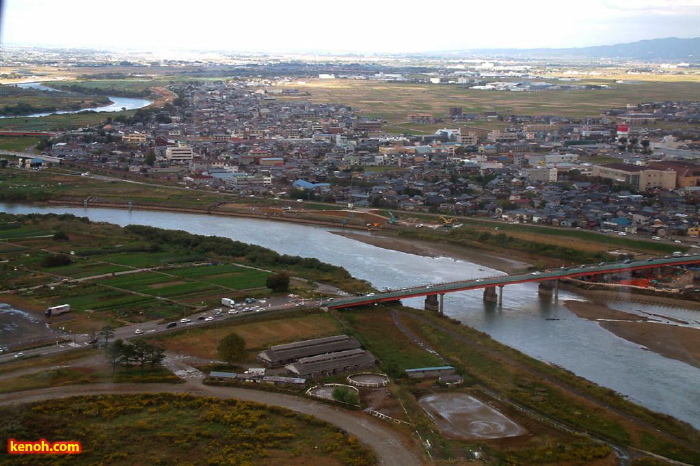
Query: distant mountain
<point x="671" y="48"/>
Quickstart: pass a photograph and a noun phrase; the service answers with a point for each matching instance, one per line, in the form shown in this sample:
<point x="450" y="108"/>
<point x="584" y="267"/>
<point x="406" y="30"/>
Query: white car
<point x="185" y="321"/>
<point x="138" y="331"/>
<point x="210" y="318"/>
<point x="19" y="355"/>
<point x="233" y="311"/>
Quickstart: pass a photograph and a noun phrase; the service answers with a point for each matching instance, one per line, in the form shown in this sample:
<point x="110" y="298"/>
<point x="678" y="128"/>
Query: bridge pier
<point x="549" y="288"/>
<point x="431" y="303"/>
<point x="434" y="302"/>
<point x="490" y="295"/>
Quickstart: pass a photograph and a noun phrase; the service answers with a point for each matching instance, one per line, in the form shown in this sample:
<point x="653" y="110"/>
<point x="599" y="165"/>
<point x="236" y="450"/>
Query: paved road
<point x="392" y="449"/>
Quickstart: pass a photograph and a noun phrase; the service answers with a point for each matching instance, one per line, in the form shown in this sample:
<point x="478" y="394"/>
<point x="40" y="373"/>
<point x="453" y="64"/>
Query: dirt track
<point x="390" y="447"/>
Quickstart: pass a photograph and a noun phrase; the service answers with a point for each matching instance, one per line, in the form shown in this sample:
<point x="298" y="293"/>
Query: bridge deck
<point x="477" y="283"/>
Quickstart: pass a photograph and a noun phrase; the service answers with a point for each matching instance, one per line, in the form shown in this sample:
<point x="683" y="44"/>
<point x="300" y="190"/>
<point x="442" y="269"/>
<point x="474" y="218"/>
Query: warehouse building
<point x="332" y="363"/>
<point x="281" y="355"/>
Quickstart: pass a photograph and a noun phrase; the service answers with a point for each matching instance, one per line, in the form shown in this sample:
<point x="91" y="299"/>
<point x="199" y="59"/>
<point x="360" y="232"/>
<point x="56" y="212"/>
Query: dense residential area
<point x="261" y="137"/>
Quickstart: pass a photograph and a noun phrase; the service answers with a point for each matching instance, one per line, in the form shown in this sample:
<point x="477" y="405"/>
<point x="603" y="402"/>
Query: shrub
<point x="56" y="260"/>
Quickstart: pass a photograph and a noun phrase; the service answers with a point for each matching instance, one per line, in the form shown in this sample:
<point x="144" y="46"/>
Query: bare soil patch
<point x="155" y="286"/>
<point x="383" y="401"/>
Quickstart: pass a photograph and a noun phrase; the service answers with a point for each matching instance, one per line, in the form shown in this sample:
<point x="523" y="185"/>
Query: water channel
<point x="543" y="329"/>
<point x="118" y="103"/>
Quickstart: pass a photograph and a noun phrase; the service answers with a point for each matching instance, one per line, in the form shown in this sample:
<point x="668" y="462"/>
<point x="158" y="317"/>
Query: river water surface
<point x="524" y="321"/>
<point x="118" y="103"/>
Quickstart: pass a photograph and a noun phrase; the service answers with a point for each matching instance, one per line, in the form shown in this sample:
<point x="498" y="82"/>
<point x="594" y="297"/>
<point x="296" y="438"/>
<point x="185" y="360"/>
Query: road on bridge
<point x="539" y="276"/>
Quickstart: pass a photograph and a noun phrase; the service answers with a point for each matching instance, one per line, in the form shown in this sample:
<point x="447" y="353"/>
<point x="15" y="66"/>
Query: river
<point x="576" y="344"/>
<point x="118" y="103"/>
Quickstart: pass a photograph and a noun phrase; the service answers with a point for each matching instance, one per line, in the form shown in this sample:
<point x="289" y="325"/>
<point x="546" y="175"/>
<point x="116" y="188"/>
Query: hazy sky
<point x="344" y="26"/>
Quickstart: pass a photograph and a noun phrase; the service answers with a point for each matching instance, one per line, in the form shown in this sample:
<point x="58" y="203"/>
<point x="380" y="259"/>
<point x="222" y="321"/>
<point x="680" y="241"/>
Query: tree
<point x="622" y="143"/>
<point x="60" y="236"/>
<point x="142" y="352"/>
<point x="107" y="333"/>
<point x="346" y="395"/>
<point x="150" y="158"/>
<point x="278" y="282"/>
<point x="232" y="348"/>
<point x="114" y="353"/>
<point x="156" y="355"/>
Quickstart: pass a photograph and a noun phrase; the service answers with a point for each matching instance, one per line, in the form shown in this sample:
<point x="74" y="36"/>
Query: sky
<point x="362" y="26"/>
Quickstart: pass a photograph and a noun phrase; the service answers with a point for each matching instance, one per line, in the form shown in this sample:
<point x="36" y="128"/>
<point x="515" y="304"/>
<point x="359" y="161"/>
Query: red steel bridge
<point x="492" y="283"/>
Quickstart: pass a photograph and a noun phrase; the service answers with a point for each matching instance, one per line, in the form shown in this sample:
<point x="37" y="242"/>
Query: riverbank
<point x="670" y="341"/>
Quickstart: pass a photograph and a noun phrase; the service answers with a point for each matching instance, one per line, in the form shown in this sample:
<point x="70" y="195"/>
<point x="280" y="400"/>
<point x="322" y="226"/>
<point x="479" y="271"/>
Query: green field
<point x="17" y="143"/>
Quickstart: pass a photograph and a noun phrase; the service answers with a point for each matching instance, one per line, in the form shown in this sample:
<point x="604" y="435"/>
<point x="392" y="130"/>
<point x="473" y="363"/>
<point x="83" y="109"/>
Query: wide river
<point x="523" y="321"/>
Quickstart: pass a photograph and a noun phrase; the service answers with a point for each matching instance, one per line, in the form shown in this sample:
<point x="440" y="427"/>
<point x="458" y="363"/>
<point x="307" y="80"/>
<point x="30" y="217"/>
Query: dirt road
<point x="391" y="448"/>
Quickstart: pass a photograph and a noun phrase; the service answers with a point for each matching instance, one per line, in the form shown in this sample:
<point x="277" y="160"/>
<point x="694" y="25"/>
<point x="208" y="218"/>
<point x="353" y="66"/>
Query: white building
<point x="179" y="153"/>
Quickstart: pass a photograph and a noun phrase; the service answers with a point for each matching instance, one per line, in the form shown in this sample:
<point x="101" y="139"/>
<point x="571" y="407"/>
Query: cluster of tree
<point x="56" y="260"/>
<point x="60" y="235"/>
<point x="24" y="195"/>
<point x="467" y="237"/>
<point x="23" y="108"/>
<point x="278" y="282"/>
<point x="79" y="89"/>
<point x="227" y="247"/>
<point x="126" y="354"/>
<point x="143" y="115"/>
<point x="632" y="145"/>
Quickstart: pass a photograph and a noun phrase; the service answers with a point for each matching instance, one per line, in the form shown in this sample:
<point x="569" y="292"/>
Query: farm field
<point x="395" y="101"/>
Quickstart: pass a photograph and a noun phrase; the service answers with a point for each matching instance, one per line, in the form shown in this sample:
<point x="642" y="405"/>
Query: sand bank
<point x="670" y="341"/>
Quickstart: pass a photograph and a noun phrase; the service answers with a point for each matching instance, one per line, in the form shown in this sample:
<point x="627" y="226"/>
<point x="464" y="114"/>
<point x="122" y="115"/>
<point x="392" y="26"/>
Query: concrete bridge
<point x="493" y="286"/>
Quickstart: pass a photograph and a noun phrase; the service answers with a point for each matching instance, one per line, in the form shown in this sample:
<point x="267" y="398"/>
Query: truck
<point x="53" y="311"/>
<point x="227" y="302"/>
